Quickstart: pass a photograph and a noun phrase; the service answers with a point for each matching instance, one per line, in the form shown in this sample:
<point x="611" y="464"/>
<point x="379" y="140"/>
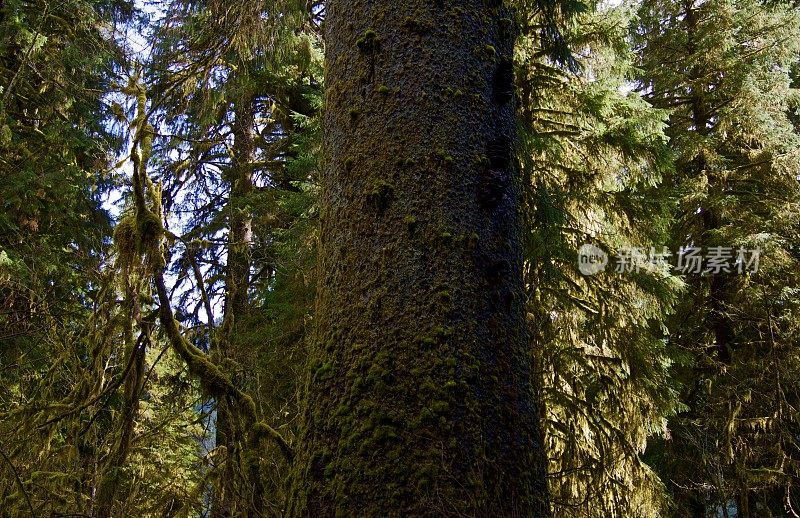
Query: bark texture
<point x="419" y="397"/>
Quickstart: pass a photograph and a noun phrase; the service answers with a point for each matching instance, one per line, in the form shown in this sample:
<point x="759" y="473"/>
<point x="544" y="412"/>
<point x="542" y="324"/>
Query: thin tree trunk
<point x="240" y="224"/>
<point x="419" y="397"/>
<point x="134" y="384"/>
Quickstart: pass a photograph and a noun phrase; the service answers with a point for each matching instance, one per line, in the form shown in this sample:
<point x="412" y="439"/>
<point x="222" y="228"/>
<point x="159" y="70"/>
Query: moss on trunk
<point x="419" y="391"/>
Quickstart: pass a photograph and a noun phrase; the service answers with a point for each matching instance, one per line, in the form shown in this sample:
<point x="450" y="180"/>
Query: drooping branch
<point x="212" y="379"/>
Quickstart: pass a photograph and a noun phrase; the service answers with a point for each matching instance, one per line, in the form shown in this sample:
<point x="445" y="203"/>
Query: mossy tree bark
<point x="419" y="398"/>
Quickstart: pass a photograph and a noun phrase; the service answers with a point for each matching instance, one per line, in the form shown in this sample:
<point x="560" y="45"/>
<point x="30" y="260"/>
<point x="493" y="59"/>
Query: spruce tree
<point x="722" y="70"/>
<point x="593" y="158"/>
<point x="420" y="394"/>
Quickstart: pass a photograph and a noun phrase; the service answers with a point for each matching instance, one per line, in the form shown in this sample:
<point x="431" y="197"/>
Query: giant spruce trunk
<point x="419" y="396"/>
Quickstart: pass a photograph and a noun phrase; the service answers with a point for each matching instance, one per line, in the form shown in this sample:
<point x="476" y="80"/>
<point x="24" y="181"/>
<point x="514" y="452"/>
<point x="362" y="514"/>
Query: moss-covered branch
<point x="140" y="235"/>
<point x="211" y="377"/>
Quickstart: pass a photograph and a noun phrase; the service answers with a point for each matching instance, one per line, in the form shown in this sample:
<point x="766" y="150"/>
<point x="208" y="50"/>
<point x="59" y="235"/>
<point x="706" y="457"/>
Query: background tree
<point x="594" y="156"/>
<point x="722" y="69"/>
<point x="73" y="333"/>
<point x="236" y="87"/>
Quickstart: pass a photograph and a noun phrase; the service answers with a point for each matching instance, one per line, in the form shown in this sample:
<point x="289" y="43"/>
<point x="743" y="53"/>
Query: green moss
<point x="444" y="155"/>
<point x="380" y="195"/>
<point x="383" y="90"/>
<point x="417" y="26"/>
<point x="383" y="434"/>
<point x="486" y="51"/>
<point x="405" y="162"/>
<point x="453" y="92"/>
<point x="368" y="42"/>
<point x="383" y="357"/>
<point x="150" y="227"/>
<point x="440" y="407"/>
<point x="323" y="371"/>
<point x="372" y="377"/>
<point x="441" y="332"/>
<point x="427" y="341"/>
<point x="446" y="235"/>
<point x="354" y="113"/>
<point x="380" y="188"/>
<point x="426" y="417"/>
<point x="427" y="386"/>
<point x="410" y="221"/>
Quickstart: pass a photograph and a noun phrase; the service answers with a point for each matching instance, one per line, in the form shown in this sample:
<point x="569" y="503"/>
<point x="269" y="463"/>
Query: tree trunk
<point x="419" y="397"/>
<point x="237" y="284"/>
<point x="134" y="384"/>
